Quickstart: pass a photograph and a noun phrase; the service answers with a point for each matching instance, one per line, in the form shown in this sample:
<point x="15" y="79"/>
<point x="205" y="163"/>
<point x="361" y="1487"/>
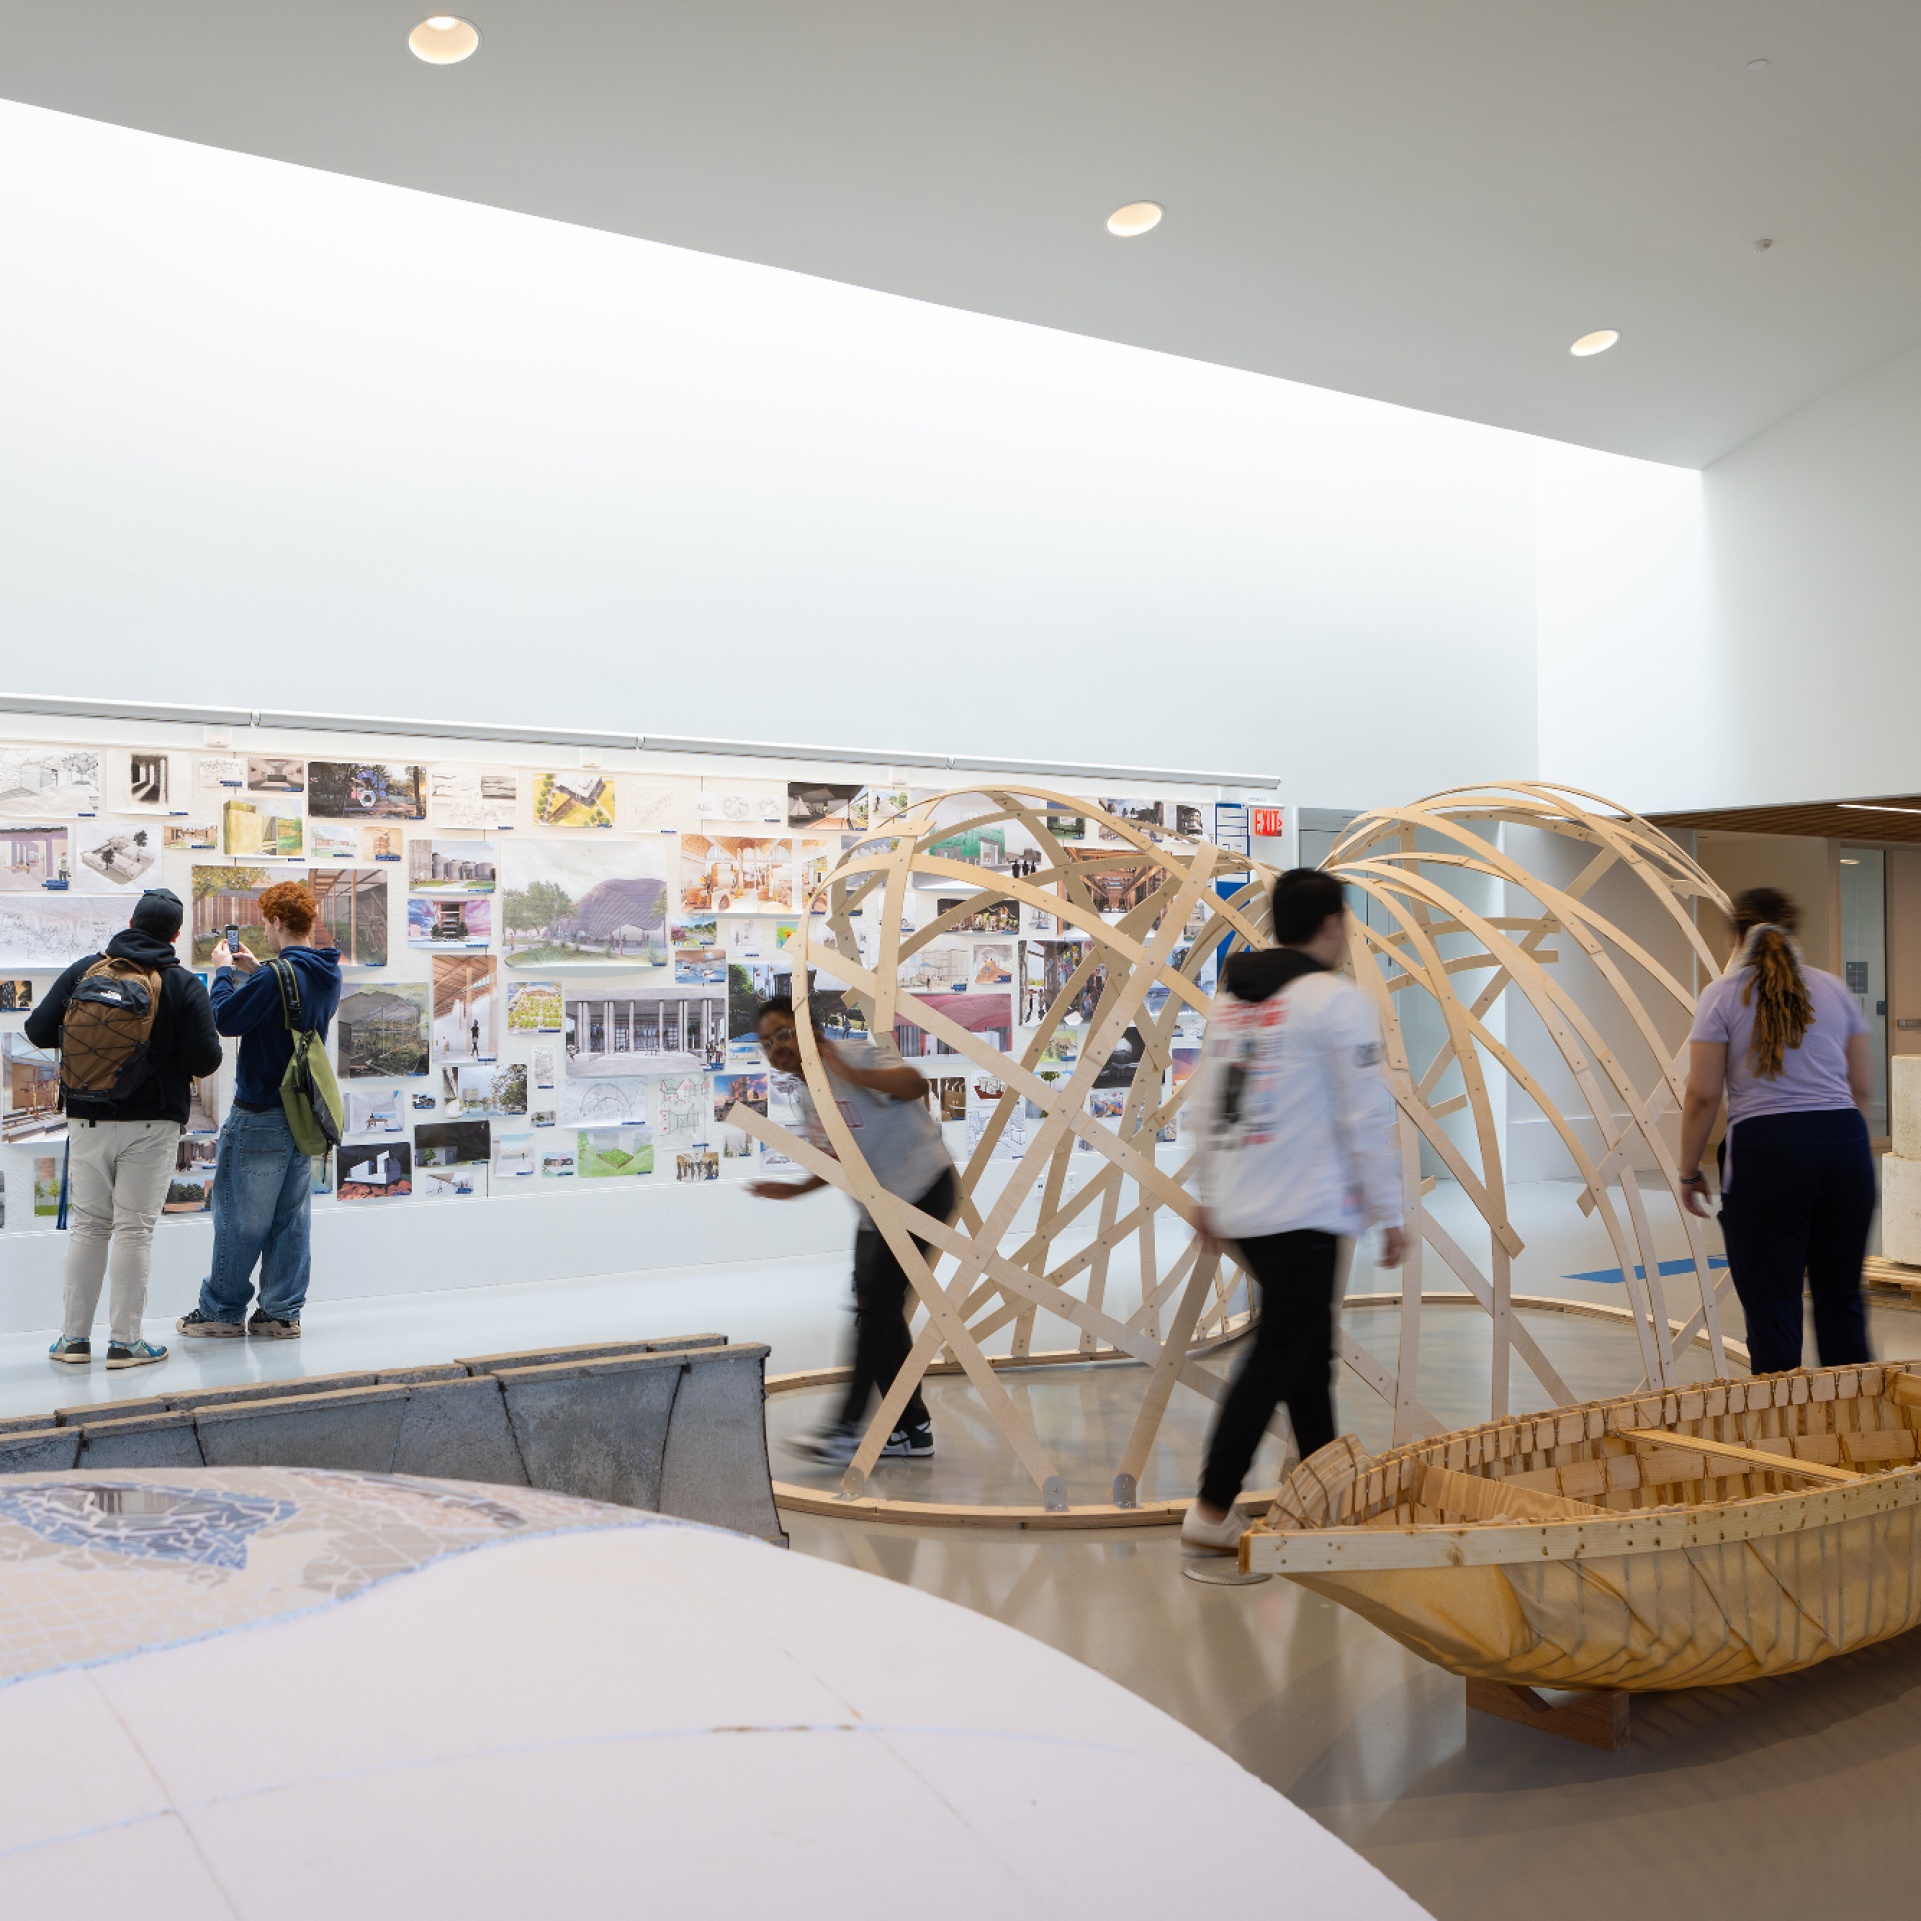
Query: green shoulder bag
<point x="308" y="1090"/>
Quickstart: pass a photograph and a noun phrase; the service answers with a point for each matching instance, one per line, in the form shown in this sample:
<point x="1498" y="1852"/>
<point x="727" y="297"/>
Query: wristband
<point x="1688" y="1180"/>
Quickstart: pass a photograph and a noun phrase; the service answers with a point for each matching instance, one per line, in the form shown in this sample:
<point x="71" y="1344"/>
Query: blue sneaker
<point x="76" y="1353"/>
<point x="134" y="1353"/>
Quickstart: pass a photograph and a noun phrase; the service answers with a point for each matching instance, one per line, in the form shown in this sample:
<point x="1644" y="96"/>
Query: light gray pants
<point x="117" y="1178"/>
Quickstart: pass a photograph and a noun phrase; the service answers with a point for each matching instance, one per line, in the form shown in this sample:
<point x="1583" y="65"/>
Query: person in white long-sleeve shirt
<point x="1296" y="1154"/>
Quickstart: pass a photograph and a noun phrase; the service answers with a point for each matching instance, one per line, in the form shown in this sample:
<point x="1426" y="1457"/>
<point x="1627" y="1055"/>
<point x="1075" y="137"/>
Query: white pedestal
<point x="1901" y="1209"/>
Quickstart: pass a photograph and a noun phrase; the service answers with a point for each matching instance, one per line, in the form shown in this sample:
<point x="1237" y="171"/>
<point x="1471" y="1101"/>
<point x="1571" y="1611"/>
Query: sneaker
<point x="134" y="1353"/>
<point x="263" y="1327"/>
<point x="835" y="1445"/>
<point x="910" y="1443"/>
<point x="198" y="1327"/>
<point x="75" y="1353"/>
<point x="1212" y="1537"/>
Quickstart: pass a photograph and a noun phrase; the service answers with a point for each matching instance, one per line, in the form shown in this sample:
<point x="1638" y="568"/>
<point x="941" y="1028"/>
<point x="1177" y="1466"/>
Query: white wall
<point x="277" y="437"/>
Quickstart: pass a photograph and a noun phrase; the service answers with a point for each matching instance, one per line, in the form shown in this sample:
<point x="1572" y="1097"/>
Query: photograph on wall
<point x="366" y="790"/>
<point x="602" y="1103"/>
<point x="259" y="829"/>
<point x="533" y="1007"/>
<point x="217" y="775"/>
<point x="991" y="1016"/>
<point x="376" y="1171"/>
<point x="613" y="1153"/>
<point x="582" y="903"/>
<point x="514" y="1157"/>
<point x="16" y="996"/>
<point x="750" y="1090"/>
<point x="333" y="840"/>
<point x="998" y="917"/>
<point x="381" y="1030"/>
<point x="189" y="837"/>
<point x="557" y="1160"/>
<point x="476" y="1091"/>
<point x="375" y="1110"/>
<point x="452" y="1144"/>
<point x="733" y="874"/>
<point x="353" y="913"/>
<point x="384" y="846"/>
<point x="43" y="781"/>
<point x="466" y="921"/>
<point x="627" y="1030"/>
<point x="115" y="856"/>
<point x="47" y="931"/>
<point x="276" y="774"/>
<point x="466" y="1008"/>
<point x="35" y="860"/>
<point x="33" y="1110"/>
<point x="699" y="958"/>
<point x="657" y="804"/>
<point x="721" y="809"/>
<point x="450" y="866"/>
<point x="697" y="1164"/>
<point x="820" y="803"/>
<point x="46" y="1187"/>
<point x="190" y="1191"/>
<point x="479" y="798"/>
<point x="579" y="797"/>
<point x="148" y="778"/>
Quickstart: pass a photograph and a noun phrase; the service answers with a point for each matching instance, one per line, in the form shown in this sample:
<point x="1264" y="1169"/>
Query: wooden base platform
<point x="1896" y="1278"/>
<point x="1598" y="1717"/>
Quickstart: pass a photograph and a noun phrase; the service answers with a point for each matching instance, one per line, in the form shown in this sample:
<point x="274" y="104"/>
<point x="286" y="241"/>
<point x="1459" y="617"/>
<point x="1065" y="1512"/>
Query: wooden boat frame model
<point x="1692" y="1538"/>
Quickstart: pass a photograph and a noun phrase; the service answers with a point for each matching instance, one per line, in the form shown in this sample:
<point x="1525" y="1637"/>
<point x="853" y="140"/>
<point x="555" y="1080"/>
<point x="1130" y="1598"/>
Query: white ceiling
<point x="1420" y="202"/>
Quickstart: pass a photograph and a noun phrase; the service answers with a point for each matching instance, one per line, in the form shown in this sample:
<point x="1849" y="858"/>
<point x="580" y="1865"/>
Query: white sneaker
<point x="1212" y="1537"/>
<point x="834" y="1445"/>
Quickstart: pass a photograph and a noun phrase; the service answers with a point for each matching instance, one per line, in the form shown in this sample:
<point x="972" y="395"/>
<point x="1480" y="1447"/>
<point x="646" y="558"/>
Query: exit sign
<point x="1267" y="823"/>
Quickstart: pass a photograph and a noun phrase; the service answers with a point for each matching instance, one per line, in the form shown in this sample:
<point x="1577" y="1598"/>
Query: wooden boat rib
<point x="1692" y="1538"/>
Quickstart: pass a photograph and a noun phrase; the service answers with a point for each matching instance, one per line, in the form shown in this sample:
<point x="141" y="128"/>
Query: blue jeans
<point x="262" y="1184"/>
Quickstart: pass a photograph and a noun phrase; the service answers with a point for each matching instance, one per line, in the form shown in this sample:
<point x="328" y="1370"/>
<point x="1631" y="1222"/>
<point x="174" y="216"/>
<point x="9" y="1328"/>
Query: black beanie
<point x="158" y="912"/>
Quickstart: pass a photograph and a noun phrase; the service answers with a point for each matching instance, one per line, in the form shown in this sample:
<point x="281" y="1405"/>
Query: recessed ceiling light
<point x="1755" y="66"/>
<point x="1597" y="342"/>
<point x="1136" y="218"/>
<point x="443" y="39"/>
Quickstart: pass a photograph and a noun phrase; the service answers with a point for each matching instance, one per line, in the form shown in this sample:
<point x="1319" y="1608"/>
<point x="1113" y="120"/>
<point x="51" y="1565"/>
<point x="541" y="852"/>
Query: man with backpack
<point x="263" y="1180"/>
<point x="134" y="1030"/>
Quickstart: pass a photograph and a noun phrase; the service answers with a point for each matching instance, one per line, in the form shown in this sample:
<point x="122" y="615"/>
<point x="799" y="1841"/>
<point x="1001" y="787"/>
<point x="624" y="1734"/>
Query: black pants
<point x="1292" y="1358"/>
<point x="1799" y="1203"/>
<point x="881" y="1343"/>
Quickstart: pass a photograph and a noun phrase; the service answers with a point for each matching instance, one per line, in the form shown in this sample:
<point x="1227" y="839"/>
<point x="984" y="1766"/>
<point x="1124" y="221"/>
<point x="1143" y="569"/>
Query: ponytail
<point x="1778" y="990"/>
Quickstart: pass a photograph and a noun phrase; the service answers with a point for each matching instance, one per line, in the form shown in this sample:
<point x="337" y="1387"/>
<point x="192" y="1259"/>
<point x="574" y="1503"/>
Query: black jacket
<point x="183" y="1044"/>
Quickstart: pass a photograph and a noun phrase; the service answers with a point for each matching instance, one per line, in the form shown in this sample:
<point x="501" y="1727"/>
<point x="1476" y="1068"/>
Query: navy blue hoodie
<point x="250" y="1007"/>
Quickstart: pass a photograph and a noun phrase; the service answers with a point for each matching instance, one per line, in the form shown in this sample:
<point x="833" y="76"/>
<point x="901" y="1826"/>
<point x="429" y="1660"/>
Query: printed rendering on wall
<point x="1137" y="813"/>
<point x="465" y="1003"/>
<point x="365" y="790"/>
<point x="147" y="778"/>
<point x="16" y="996"/>
<point x="464" y="921"/>
<point x="659" y="804"/>
<point x="112" y="855"/>
<point x="190" y="1191"/>
<point x="380" y="1171"/>
<point x="993" y="965"/>
<point x="353" y="913"/>
<point x="32" y="1111"/>
<point x="375" y="1110"/>
<point x="382" y="1030"/>
<point x="556" y="1160"/>
<point x="600" y="1103"/>
<point x="217" y="775"/>
<point x="450" y="866"/>
<point x="276" y="774"/>
<point x="583" y="797"/>
<point x="741" y="807"/>
<point x="473" y="1090"/>
<point x="697" y="1164"/>
<point x="729" y="874"/>
<point x="997" y="917"/>
<point x="533" y="1007"/>
<point x="333" y="840"/>
<point x="583" y="903"/>
<point x="203" y="1104"/>
<point x="514" y="1157"/>
<point x="672" y="1030"/>
<point x="749" y="1089"/>
<point x="1114" y="884"/>
<point x="453" y="1144"/>
<point x="47" y="931"/>
<point x="991" y="1016"/>
<point x="699" y="958"/>
<point x="463" y="1181"/>
<point x="820" y="803"/>
<point x="873" y="806"/>
<point x="250" y="828"/>
<point x="42" y="781"/>
<point x="382" y="845"/>
<point x="34" y="859"/>
<point x="189" y="837"/>
<point x="473" y="797"/>
<point x="608" y="1153"/>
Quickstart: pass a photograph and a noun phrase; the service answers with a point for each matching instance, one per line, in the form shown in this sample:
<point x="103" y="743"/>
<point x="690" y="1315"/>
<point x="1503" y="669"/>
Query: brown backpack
<point x="106" y="1028"/>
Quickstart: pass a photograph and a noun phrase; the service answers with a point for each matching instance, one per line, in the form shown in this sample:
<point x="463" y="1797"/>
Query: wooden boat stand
<point x="1597" y="1717"/>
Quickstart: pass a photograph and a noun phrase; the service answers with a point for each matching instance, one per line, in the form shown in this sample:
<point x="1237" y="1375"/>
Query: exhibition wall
<point x="552" y="957"/>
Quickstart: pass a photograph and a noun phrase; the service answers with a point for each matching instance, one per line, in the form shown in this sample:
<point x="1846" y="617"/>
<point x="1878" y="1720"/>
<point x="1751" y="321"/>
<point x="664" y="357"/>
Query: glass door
<point x="1864" y="962"/>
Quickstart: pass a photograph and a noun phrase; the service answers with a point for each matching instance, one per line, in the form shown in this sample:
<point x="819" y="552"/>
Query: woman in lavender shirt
<point x="1789" y="1046"/>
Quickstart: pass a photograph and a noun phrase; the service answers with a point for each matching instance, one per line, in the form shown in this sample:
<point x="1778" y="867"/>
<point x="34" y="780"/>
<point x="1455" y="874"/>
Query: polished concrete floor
<point x="1790" y="1797"/>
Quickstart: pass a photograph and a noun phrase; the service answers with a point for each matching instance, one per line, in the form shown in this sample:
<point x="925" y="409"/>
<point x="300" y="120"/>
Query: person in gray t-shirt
<point x="884" y="1102"/>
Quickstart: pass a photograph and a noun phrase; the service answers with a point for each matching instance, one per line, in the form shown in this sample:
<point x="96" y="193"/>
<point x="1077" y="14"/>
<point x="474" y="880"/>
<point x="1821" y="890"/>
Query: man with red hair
<point x="262" y="1182"/>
